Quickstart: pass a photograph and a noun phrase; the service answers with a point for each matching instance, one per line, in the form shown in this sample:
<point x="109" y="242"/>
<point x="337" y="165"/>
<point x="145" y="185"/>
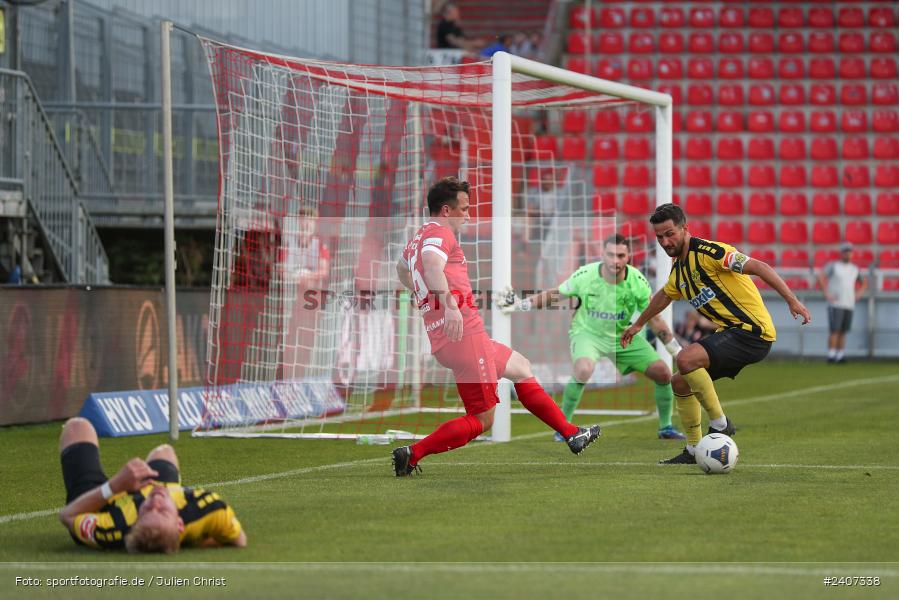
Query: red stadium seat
<point x="792" y="175"/>
<point x="852" y="68"/>
<point x="671" y="68"/>
<point x="854" y="121"/>
<point x="730" y="203"/>
<point x="761" y="42"/>
<point x="699" y="121"/>
<point x="886" y="148"/>
<point x="635" y="203"/>
<point x="760" y="121"/>
<point x="700" y="229"/>
<point x="675" y="176"/>
<point x="729" y="175"/>
<point x="884" y="93"/>
<point x="700" y="94"/>
<point x="605" y="148"/>
<point x="702" y="17"/>
<point x="699" y="148"/>
<point x="791" y="68"/>
<point x="672" y="17"/>
<point x="824" y="176"/>
<point x="610" y="68"/>
<point x="792" y="94"/>
<point x="793" y="232"/>
<point x="671" y="42"/>
<point x="605" y="175"/>
<point x="790" y="42"/>
<point x="851" y="42"/>
<point x="639" y="69"/>
<point x="761" y="18"/>
<point x="578" y="65"/>
<point x="636" y="228"/>
<point x="853" y="94"/>
<point x="546" y="147"/>
<point x="698" y="204"/>
<point x="612" y="18"/>
<point x="856" y="176"/>
<point x="578" y="43"/>
<point x="824" y="148"/>
<point x="730" y="42"/>
<point x="883" y="68"/>
<point x="793" y="204"/>
<point x="883" y="41"/>
<point x="700" y="68"/>
<point x="857" y="204"/>
<point x="699" y="176"/>
<point x="761" y="232"/>
<point x="701" y="42"/>
<point x="761" y="148"/>
<point x="611" y="42"/>
<point x="674" y="91"/>
<point x="823" y="122"/>
<point x="731" y="16"/>
<point x="797" y="283"/>
<point x="863" y="257"/>
<point x="761" y="176"/>
<point x="885" y="121"/>
<point x="826" y="205"/>
<point x="886" y="176"/>
<point x="637" y="148"/>
<point x="826" y="232"/>
<point x="730" y="94"/>
<point x="887" y="204"/>
<point x="851" y="17"/>
<point x="730" y="121"/>
<point x="855" y="148"/>
<point x="761" y="94"/>
<point x="606" y="121"/>
<point x="574" y="148"/>
<point x="820" y="17"/>
<point x="579" y="18"/>
<point x="888" y="233"/>
<point x="642" y="17"/>
<point x="638" y="122"/>
<point x="574" y="121"/>
<point x="822" y="68"/>
<point x="636" y="176"/>
<point x="794" y="258"/>
<point x="888" y="259"/>
<point x="764" y="255"/>
<point x="675" y="148"/>
<point x="792" y="148"/>
<point x="822" y="257"/>
<point x="823" y="94"/>
<point x="641" y="42"/>
<point x="730" y="68"/>
<point x="881" y="17"/>
<point x="792" y="121"/>
<point x="790" y="17"/>
<point x="762" y="204"/>
<point x="761" y="68"/>
<point x="821" y="42"/>
<point x="730" y="148"/>
<point x="732" y="231"/>
<point x="604" y="203"/>
<point x="859" y="232"/>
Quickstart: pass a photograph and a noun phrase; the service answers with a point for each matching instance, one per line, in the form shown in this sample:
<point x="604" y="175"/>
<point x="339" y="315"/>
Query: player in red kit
<point x="433" y="267"/>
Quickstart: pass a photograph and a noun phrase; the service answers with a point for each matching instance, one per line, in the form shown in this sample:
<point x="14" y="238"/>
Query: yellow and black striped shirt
<point x="204" y="513"/>
<point x="711" y="279"/>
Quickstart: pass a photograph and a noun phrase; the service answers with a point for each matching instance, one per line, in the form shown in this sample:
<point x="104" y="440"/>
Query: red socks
<point x="450" y="435"/>
<point x="534" y="398"/>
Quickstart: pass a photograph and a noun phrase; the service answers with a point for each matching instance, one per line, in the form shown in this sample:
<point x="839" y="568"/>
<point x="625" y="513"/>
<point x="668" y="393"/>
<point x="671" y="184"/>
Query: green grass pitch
<point x="814" y="495"/>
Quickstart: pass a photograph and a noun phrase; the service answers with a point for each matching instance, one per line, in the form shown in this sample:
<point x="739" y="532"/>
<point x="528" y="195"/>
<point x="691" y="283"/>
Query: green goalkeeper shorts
<point x="638" y="355"/>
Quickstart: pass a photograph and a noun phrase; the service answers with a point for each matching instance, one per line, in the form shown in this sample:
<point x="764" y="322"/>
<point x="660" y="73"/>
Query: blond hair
<point x="150" y="539"/>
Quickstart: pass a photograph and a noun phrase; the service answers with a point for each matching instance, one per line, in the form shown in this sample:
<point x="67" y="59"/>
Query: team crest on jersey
<point x="88" y="525"/>
<point x="695" y="276"/>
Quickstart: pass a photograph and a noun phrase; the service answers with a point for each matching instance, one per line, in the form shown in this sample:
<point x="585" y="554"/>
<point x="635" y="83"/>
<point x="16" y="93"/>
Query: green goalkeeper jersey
<point x="605" y="309"/>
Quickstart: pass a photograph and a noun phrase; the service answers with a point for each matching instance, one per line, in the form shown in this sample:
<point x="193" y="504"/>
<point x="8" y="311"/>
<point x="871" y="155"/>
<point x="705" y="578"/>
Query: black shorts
<point x="731" y="350"/>
<point x="82" y="471"/>
<point x="840" y="319"/>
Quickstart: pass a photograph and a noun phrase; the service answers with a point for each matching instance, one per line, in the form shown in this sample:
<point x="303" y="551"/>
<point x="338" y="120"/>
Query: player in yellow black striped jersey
<point x="143" y="507"/>
<point x="715" y="278"/>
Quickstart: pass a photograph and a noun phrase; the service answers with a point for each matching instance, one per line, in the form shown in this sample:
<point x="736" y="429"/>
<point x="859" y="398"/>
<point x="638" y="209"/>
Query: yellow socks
<point x="704" y="390"/>
<point x="690" y="417"/>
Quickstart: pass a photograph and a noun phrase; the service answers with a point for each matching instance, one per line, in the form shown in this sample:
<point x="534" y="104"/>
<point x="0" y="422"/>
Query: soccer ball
<point x="716" y="453"/>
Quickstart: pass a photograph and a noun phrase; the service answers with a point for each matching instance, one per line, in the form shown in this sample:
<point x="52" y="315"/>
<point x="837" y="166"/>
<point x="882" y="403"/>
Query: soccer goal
<point x="324" y="169"/>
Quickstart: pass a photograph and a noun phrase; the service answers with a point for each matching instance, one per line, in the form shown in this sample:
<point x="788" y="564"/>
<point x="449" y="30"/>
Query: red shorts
<point x="477" y="362"/>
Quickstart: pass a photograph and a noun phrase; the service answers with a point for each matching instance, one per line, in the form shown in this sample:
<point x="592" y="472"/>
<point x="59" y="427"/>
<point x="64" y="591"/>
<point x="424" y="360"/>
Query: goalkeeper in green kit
<point x="609" y="294"/>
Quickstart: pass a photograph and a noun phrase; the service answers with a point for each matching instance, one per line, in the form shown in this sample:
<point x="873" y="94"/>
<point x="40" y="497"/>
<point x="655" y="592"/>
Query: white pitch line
<point x="787" y="569"/>
<point x="270" y="476"/>
<point x="581" y="463"/>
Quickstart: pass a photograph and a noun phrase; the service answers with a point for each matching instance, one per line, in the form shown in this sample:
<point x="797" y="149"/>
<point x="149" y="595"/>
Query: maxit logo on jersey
<point x="607" y="316"/>
<point x="705" y="296"/>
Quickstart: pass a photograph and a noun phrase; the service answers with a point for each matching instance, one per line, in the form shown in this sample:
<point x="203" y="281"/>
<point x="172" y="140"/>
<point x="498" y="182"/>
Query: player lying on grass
<point x="609" y="294"/>
<point x="434" y="268"/>
<point x="143" y="507"/>
<point x="714" y="278"/>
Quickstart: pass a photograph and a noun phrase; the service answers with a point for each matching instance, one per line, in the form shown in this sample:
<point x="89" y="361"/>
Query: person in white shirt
<point x="838" y="280"/>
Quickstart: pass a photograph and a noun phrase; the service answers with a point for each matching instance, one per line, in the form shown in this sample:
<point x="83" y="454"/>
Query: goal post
<point x="324" y="168"/>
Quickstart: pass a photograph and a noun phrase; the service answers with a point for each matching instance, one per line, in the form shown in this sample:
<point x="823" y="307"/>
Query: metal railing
<point x="32" y="158"/>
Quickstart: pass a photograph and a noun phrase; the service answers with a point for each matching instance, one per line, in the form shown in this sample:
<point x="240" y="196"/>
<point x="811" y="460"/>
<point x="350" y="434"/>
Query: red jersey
<point x="437" y="238"/>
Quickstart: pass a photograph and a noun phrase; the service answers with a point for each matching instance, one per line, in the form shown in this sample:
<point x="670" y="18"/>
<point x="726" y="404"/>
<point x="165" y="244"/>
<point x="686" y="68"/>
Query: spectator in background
<point x="694" y="327"/>
<point x="838" y="280"/>
<point x="502" y="44"/>
<point x="541" y="204"/>
<point x="449" y="30"/>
